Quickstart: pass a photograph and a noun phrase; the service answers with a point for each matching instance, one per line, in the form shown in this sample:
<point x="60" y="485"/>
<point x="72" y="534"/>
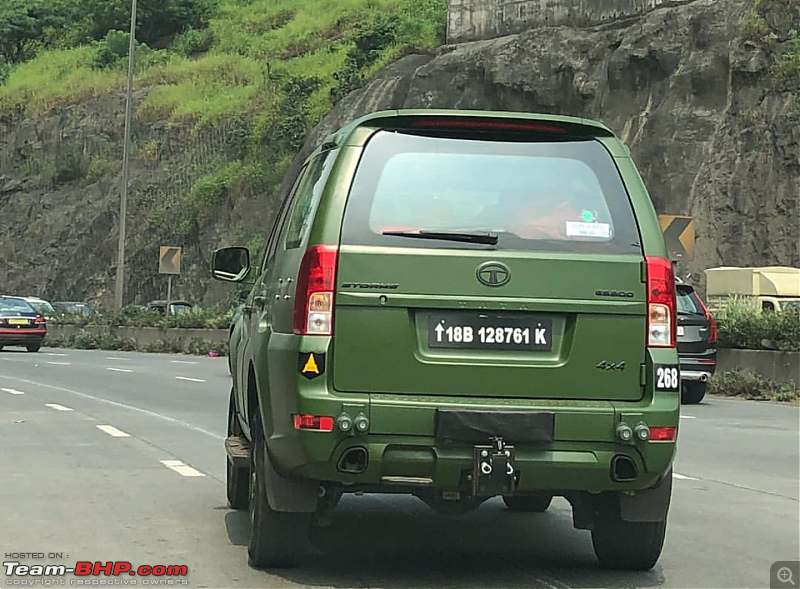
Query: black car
<point x="20" y="324"/>
<point x="697" y="344"/>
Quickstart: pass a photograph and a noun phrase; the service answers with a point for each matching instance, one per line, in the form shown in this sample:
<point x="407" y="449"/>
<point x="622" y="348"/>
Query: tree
<point x="156" y="19"/>
<point x="24" y="23"/>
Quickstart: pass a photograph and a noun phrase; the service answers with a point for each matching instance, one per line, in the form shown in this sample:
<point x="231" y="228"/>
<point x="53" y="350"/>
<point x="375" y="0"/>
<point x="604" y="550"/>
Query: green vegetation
<point x="775" y="25"/>
<point x="747" y="384"/>
<point x="743" y="326"/>
<point x="92" y="340"/>
<point x="136" y="316"/>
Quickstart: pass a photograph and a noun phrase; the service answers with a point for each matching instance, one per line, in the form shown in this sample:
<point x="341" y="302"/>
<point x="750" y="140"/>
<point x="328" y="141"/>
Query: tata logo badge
<point x="493" y="274"/>
<point x="311" y="365"/>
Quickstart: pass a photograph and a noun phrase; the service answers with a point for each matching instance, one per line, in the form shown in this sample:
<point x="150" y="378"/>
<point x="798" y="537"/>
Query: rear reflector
<point x="488" y="125"/>
<point x="319" y="423"/>
<point x="662" y="324"/>
<point x="313" y="304"/>
<point x="663" y="434"/>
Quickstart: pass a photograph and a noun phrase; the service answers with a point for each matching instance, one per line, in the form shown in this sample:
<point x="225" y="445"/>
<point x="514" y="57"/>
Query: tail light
<point x="712" y="323"/>
<point x="662" y="325"/>
<point x="318" y="423"/>
<point x="489" y="125"/>
<point x="313" y="304"/>
<point x="39" y="320"/>
<point x="663" y="434"/>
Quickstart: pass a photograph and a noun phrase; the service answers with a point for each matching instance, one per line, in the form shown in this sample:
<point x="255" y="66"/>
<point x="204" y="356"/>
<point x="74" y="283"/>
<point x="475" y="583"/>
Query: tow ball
<point x="494" y="472"/>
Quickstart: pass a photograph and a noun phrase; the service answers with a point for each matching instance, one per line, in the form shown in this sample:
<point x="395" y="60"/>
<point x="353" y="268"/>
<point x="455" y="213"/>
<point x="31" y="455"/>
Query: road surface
<point x="118" y="456"/>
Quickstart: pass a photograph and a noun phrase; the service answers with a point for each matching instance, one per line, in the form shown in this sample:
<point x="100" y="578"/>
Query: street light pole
<point x="126" y="152"/>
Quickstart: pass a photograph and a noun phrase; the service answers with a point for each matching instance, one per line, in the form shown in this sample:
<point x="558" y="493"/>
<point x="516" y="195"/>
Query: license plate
<point x="17" y="321"/>
<point x="486" y="331"/>
<point x="680" y="330"/>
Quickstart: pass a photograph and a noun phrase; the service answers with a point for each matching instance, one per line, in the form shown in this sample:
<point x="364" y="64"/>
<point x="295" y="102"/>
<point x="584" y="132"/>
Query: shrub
<point x="192" y="42"/>
<point x="747" y="384"/>
<point x="743" y="326"/>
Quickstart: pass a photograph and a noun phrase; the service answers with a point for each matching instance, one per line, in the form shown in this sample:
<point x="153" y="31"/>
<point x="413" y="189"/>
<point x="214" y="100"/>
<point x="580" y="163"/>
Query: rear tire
<point x="33" y="347"/>
<point x="528" y="503"/>
<point x="693" y="393"/>
<point x="277" y="539"/>
<point x="630" y="546"/>
<point x="238" y="479"/>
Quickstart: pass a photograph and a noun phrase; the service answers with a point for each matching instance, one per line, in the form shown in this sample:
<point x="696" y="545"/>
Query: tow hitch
<point x="494" y="472"/>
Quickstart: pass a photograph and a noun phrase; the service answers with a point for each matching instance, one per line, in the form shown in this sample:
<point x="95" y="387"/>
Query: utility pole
<point x="126" y="153"/>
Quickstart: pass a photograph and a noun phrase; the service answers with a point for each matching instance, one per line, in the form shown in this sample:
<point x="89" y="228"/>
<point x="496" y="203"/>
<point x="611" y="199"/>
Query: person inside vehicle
<point x="541" y="215"/>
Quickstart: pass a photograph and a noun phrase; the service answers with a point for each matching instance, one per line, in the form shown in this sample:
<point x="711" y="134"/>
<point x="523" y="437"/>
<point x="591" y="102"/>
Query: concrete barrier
<point x="779" y="366"/>
<point x="143" y="335"/>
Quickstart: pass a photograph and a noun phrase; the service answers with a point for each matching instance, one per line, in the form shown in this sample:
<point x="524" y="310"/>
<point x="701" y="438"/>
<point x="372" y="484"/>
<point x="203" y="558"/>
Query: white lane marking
<point x="190" y="379"/>
<point x="53" y="354"/>
<point x="57" y="407"/>
<point x="688" y="417"/>
<point x="682" y="477"/>
<point x="182" y="362"/>
<point x="112" y="431"/>
<point x="121" y="405"/>
<point x="119" y="369"/>
<point x="115" y="358"/>
<point x="59" y="363"/>
<point x="12" y="391"/>
<point x="182" y="469"/>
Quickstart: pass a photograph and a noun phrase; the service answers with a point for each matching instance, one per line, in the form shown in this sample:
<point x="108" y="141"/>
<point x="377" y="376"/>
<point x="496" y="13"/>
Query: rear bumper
<point x="404" y="452"/>
<point x="20" y="337"/>
<point x="698" y="367"/>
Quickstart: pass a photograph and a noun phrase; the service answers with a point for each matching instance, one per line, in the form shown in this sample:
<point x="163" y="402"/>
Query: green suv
<point x="458" y="305"/>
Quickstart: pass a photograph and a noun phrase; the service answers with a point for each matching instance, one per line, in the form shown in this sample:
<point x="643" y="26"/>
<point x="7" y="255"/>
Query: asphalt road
<point x="118" y="456"/>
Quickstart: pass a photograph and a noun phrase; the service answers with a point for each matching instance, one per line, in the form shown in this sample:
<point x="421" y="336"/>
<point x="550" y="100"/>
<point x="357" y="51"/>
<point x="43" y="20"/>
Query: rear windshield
<point x="688" y="303"/>
<point x="15" y="306"/>
<point x="557" y="196"/>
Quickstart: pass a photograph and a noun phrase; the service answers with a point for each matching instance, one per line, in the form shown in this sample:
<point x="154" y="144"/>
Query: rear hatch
<point x="693" y="326"/>
<point x="489" y="268"/>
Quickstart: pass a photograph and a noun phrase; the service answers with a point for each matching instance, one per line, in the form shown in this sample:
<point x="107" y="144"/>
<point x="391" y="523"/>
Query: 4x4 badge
<point x="493" y="274"/>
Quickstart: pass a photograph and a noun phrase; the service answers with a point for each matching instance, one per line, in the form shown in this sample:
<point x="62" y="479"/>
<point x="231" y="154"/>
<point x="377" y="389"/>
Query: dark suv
<point x="697" y="344"/>
<point x="458" y="305"/>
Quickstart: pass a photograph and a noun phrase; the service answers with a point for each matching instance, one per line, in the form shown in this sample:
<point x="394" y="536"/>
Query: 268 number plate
<point x="668" y="377"/>
<point x="492" y="332"/>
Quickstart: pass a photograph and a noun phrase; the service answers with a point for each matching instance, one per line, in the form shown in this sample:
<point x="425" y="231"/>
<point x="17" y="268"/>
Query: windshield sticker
<point x="588" y="216"/>
<point x="576" y="229"/>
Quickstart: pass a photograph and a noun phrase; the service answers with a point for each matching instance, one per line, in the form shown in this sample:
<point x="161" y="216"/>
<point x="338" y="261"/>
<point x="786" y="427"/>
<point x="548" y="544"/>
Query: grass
<point x="749" y="385"/>
<point x="306" y="38"/>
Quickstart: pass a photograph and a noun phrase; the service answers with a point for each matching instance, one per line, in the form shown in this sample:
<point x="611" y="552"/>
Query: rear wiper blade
<point x="484" y="237"/>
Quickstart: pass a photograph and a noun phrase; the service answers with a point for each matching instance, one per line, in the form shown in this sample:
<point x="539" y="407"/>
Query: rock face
<point x="474" y="20"/>
<point x="678" y="85"/>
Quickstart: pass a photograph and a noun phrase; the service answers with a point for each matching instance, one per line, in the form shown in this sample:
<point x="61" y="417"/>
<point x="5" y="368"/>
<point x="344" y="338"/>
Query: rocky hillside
<point x="704" y="93"/>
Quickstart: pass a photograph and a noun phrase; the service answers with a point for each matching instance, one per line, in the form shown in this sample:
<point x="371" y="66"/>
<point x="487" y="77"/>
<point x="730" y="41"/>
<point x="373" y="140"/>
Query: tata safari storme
<point x="458" y="305"/>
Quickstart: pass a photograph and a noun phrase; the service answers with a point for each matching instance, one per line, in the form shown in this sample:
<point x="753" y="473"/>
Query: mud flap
<point x="650" y="505"/>
<point x="289" y="495"/>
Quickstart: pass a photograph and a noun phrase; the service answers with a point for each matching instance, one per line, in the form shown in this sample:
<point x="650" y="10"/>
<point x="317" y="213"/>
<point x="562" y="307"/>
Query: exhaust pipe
<point x="623" y="469"/>
<point x="704" y="377"/>
<point x="353" y="460"/>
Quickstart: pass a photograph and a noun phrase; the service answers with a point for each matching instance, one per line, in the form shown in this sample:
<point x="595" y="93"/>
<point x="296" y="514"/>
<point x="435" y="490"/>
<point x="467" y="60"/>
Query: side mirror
<point x="230" y="264"/>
